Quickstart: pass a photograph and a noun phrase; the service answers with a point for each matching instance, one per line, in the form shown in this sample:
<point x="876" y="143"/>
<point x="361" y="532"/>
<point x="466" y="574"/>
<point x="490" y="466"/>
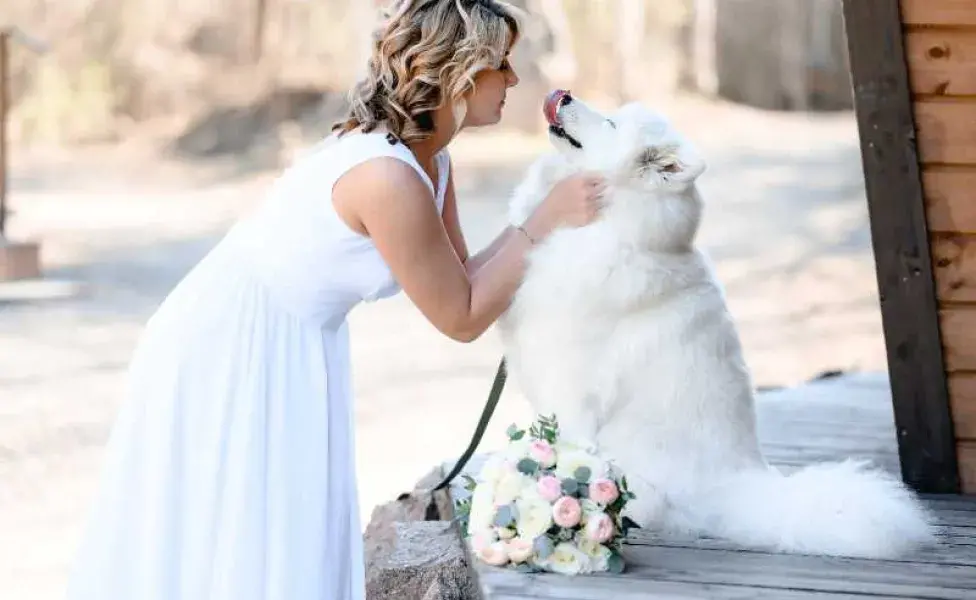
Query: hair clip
<point x="392" y="139"/>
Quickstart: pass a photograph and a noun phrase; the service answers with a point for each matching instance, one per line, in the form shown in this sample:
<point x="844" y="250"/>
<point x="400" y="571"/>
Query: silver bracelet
<point x="526" y="234"/>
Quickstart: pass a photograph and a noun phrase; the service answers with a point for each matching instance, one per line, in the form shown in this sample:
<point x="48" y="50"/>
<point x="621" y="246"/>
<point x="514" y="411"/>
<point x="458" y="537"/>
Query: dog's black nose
<point x="565" y="99"/>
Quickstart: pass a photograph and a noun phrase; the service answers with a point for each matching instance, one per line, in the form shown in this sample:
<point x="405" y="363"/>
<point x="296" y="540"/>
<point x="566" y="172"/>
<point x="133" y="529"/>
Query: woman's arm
<point x="396" y="210"/>
<point x="452" y="223"/>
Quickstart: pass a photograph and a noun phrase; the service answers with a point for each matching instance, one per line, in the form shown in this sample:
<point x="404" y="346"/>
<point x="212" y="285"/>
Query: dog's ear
<point x="670" y="162"/>
<point x="662" y="159"/>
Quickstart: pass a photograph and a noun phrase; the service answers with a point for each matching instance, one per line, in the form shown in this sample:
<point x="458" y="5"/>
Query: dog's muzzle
<point x="554" y="102"/>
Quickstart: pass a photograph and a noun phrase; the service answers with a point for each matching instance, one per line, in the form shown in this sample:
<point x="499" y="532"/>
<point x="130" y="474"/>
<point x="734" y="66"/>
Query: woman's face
<point x="486" y="101"/>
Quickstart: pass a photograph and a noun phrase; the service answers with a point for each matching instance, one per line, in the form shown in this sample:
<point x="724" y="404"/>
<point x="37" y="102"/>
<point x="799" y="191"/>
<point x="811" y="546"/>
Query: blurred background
<point x="139" y="130"/>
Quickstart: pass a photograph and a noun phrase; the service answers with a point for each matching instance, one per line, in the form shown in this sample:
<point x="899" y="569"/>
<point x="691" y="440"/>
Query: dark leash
<point x="493" y="396"/>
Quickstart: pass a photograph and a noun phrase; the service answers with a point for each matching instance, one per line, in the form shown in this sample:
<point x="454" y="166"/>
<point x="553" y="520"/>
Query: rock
<point x="411" y="553"/>
<point x="428" y="561"/>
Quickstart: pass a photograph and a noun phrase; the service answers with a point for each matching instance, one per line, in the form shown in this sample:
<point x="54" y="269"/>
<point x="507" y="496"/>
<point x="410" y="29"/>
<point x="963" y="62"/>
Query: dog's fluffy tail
<point x="840" y="509"/>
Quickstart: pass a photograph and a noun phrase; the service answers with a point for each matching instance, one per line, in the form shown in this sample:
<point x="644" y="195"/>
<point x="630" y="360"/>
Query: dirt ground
<point x="786" y="225"/>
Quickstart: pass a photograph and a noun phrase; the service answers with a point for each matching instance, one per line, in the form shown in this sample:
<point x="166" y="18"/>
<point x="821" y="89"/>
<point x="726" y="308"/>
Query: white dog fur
<point x="621" y="329"/>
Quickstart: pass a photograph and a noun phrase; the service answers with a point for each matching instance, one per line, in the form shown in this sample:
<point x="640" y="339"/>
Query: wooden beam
<point x="899" y="233"/>
<point x="4" y="106"/>
<point x="938" y="12"/>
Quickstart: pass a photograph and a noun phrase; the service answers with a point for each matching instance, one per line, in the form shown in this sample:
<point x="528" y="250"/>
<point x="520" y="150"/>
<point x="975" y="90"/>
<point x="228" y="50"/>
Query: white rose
<point x="598" y="554"/>
<point x="570" y="461"/>
<point x="567" y="559"/>
<point x="564" y="445"/>
<point x="482" y="514"/>
<point x="510" y="487"/>
<point x="480" y="539"/>
<point x="504" y="533"/>
<point x="494" y="467"/>
<point x="534" y="514"/>
<point x="494" y="554"/>
<point x="590" y="508"/>
<point x="518" y="449"/>
<point x="519" y="550"/>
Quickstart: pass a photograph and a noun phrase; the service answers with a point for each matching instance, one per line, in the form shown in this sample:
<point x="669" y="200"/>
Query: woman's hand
<point x="573" y="202"/>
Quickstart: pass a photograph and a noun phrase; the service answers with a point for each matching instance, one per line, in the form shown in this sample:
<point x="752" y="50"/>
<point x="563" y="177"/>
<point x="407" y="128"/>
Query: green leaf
<point x="582" y="474"/>
<point x="526" y="568"/>
<point x="616" y="563"/>
<point x="527" y="466"/>
<point x="584" y="490"/>
<point x="570" y="487"/>
<point x="627" y="524"/>
<point x="514" y="433"/>
<point x="543" y="547"/>
<point x="505" y="516"/>
<point x="623" y="483"/>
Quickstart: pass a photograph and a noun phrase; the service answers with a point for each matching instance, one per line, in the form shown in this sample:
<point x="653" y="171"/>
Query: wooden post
<point x="20" y="260"/>
<point x="899" y="234"/>
<point x="257" y="41"/>
<point x="4" y="102"/>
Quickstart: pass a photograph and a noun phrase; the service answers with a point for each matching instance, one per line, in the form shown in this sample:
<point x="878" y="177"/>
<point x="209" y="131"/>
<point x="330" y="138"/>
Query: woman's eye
<point x="612" y="124"/>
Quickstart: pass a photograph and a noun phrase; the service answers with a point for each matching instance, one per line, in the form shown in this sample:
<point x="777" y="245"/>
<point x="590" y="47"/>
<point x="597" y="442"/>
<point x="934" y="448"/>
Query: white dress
<point x="229" y="474"/>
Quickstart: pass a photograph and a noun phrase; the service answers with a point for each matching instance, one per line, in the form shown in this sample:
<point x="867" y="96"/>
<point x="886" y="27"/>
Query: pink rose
<point x="603" y="491"/>
<point x="550" y="488"/>
<point x="494" y="554"/>
<point x="567" y="512"/>
<point x="481" y="540"/>
<point x="598" y="528"/>
<point x="541" y="452"/>
<point x="519" y="550"/>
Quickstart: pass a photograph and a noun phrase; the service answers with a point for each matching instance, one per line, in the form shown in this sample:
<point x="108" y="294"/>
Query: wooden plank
<point x="962" y="394"/>
<point x="942" y="62"/>
<point x="941" y="554"/>
<point x="954" y="264"/>
<point x="938" y="12"/>
<point x="958" y="324"/>
<point x="950" y="199"/>
<point x="948" y="501"/>
<point x="599" y="587"/>
<point x="946" y="131"/>
<point x="967" y="465"/>
<point x="787" y="571"/>
<point x="901" y="248"/>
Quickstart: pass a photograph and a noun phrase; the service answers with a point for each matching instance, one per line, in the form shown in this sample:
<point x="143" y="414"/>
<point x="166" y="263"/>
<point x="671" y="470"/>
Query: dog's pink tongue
<point x="551" y="106"/>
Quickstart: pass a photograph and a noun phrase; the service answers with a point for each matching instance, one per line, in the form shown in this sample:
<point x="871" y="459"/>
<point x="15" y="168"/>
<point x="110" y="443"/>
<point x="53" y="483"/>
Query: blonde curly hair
<point x="427" y="53"/>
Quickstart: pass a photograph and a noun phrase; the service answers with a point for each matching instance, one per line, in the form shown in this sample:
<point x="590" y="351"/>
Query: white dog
<point x="621" y="330"/>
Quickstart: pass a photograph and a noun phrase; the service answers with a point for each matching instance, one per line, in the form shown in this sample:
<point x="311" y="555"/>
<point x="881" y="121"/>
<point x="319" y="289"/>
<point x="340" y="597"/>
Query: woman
<point x="230" y="472"/>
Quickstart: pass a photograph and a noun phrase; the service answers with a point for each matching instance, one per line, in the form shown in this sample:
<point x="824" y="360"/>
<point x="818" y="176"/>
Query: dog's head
<point x="634" y="146"/>
<point x="650" y="167"/>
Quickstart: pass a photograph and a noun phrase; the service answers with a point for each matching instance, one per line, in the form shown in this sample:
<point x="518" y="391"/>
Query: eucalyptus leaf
<point x="582" y="474"/>
<point x="543" y="547"/>
<point x="570" y="487"/>
<point x="584" y="490"/>
<point x="504" y="516"/>
<point x="616" y="563"/>
<point x="527" y="466"/>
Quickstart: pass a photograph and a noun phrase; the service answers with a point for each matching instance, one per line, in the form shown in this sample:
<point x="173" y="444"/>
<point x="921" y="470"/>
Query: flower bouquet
<point x="546" y="504"/>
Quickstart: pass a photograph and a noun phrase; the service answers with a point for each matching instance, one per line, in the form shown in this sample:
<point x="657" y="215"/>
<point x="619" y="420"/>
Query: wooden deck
<point x="830" y="420"/>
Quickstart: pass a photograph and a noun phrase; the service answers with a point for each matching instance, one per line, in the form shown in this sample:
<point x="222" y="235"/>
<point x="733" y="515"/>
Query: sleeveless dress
<point x="229" y="473"/>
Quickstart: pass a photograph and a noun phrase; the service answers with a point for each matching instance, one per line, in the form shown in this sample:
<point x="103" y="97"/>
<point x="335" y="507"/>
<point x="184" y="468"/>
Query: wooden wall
<point x="940" y="46"/>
